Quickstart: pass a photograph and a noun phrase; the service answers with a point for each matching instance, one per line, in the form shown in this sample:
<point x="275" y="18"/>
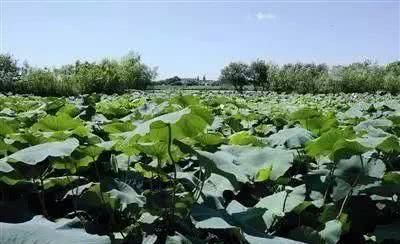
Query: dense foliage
<point x="108" y="76"/>
<point x="9" y="72"/>
<point x="118" y="76"/>
<point x="200" y="168"/>
<point x="314" y="78"/>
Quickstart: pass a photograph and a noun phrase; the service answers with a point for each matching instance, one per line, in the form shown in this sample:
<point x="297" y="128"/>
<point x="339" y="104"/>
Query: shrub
<point x="9" y="72"/>
<point x="108" y="76"/>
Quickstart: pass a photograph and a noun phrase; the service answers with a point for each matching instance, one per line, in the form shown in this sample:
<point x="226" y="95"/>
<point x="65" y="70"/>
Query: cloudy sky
<point x="190" y="38"/>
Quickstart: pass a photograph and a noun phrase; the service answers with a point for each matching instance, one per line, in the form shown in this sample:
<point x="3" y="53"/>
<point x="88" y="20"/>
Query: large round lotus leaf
<point x="214" y="188"/>
<point x="244" y="162"/>
<point x="41" y="230"/>
<point x="187" y="122"/>
<point x="361" y="167"/>
<point x="244" y="138"/>
<point x="332" y="231"/>
<point x="170" y="118"/>
<point x="60" y="122"/>
<point x="35" y="154"/>
<point x="324" y="145"/>
<point x="178" y="238"/>
<point x="208" y="218"/>
<point x="284" y="201"/>
<point x="5" y="167"/>
<point x="265" y="239"/>
<point x="290" y="138"/>
<point x="375" y="123"/>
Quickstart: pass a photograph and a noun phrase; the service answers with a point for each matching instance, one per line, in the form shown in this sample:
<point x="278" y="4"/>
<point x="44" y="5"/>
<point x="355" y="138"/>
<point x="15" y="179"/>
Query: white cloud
<point x="265" y="16"/>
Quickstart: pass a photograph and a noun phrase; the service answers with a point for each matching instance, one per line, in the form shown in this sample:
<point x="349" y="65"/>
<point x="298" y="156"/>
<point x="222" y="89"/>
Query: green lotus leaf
<point x="69" y="109"/>
<point x="62" y="181"/>
<point x="290" y="138"/>
<point x="170" y="118"/>
<point x="346" y="148"/>
<point x="185" y="100"/>
<point x="332" y="231"/>
<point x="263" y="174"/>
<point x="391" y="178"/>
<point x="208" y="218"/>
<point x="41" y="230"/>
<point x="60" y="122"/>
<point x="305" y="113"/>
<point x="188" y="122"/>
<point x="360" y="167"/>
<point x="114" y="193"/>
<point x="119" y="127"/>
<point x="389" y="145"/>
<point x="210" y="138"/>
<point x="283" y="201"/>
<point x="35" y="154"/>
<point x="325" y="144"/>
<point x="178" y="238"/>
<point x="5" y="167"/>
<point x="375" y="123"/>
<point x="73" y="164"/>
<point x="7" y="127"/>
<point x="124" y="195"/>
<point x="261" y="239"/>
<point x="214" y="187"/>
<point x="313" y="120"/>
<point x="244" y="138"/>
<point x="244" y="162"/>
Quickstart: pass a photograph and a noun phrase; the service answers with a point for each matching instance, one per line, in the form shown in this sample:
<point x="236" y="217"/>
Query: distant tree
<point x="9" y="72"/>
<point x="204" y="78"/>
<point x="258" y="74"/>
<point x="135" y="73"/>
<point x="236" y="74"/>
<point x="41" y="82"/>
<point x="176" y="80"/>
<point x="361" y="77"/>
<point x="262" y="74"/>
<point x="393" y="67"/>
<point x="392" y="77"/>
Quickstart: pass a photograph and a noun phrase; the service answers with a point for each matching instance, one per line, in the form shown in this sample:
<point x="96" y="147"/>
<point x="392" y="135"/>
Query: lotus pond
<point x="200" y="167"/>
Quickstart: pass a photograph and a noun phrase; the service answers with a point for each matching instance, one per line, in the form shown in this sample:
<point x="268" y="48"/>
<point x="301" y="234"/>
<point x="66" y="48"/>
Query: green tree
<point x="258" y="74"/>
<point x="392" y="77"/>
<point x="9" y="72"/>
<point x="393" y="67"/>
<point x="361" y="77"/>
<point x="136" y="74"/>
<point x="262" y="74"/>
<point x="236" y="74"/>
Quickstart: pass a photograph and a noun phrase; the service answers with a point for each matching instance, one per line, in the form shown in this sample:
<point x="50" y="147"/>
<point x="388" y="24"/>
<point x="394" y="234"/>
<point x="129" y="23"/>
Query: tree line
<point x="107" y="76"/>
<point x="313" y="78"/>
<point x="119" y="75"/>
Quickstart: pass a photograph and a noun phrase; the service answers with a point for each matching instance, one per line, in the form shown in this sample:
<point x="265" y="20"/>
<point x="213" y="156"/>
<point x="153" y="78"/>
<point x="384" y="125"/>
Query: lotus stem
<point x="175" y="173"/>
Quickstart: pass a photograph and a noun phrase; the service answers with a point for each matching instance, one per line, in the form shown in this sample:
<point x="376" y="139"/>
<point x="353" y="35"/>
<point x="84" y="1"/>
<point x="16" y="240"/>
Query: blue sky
<point x="190" y="38"/>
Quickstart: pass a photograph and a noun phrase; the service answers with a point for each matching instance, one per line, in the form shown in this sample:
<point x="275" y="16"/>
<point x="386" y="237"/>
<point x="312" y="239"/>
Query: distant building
<point x="177" y="81"/>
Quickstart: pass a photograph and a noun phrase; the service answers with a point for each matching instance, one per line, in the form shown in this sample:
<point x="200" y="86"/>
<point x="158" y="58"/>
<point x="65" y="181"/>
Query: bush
<point x="9" y="72"/>
<point x="108" y="76"/>
<point x="44" y="82"/>
<point x="312" y="78"/>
